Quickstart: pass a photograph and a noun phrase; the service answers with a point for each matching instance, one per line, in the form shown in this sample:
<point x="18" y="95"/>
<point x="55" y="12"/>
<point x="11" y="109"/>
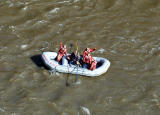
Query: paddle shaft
<point x="77" y="60"/>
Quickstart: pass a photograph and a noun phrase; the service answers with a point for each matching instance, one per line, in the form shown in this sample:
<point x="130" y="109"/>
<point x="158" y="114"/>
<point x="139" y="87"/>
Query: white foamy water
<point x="101" y="50"/>
<point x="24" y="46"/>
<point x="55" y="10"/>
<point x="85" y="110"/>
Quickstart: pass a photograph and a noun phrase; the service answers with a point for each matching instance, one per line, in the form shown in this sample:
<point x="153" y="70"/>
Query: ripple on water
<point x="24" y="46"/>
<point x="1" y="109"/>
<point x="55" y="10"/>
<point x="85" y="110"/>
<point x="25" y="8"/>
<point x="3" y="48"/>
<point x="101" y="50"/>
<point x="52" y="12"/>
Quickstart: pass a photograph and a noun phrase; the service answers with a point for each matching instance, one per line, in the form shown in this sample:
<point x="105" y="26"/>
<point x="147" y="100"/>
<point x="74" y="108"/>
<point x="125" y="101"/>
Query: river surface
<point x="127" y="32"/>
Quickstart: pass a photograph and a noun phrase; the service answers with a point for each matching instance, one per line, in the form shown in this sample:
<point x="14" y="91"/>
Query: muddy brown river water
<point x="126" y="32"/>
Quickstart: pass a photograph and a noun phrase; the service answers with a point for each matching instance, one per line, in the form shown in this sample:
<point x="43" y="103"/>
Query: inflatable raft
<point x="49" y="59"/>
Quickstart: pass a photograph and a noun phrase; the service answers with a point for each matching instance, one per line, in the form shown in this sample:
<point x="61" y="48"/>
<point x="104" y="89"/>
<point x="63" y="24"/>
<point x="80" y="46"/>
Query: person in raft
<point x="62" y="51"/>
<point x="88" y="60"/>
<point x="74" y="59"/>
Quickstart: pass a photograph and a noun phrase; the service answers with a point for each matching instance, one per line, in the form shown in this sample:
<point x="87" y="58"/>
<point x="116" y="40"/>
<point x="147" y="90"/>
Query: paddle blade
<point x="76" y="45"/>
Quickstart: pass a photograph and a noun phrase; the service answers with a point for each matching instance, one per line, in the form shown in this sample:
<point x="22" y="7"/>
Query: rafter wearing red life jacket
<point x="88" y="59"/>
<point x="61" y="52"/>
<point x="93" y="64"/>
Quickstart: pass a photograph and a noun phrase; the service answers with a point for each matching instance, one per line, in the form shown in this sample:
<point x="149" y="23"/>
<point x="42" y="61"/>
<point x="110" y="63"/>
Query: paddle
<point x="77" y="59"/>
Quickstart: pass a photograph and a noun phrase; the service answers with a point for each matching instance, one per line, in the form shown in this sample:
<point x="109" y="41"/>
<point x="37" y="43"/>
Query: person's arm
<point x="91" y="50"/>
<point x="61" y="46"/>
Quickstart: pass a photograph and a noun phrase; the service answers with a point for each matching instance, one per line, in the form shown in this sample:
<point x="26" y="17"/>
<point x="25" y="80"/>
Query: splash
<point x="101" y="50"/>
<point x="85" y="110"/>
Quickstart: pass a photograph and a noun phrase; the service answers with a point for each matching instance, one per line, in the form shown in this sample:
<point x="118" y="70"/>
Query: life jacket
<point x="93" y="65"/>
<point x="87" y="58"/>
<point x="61" y="52"/>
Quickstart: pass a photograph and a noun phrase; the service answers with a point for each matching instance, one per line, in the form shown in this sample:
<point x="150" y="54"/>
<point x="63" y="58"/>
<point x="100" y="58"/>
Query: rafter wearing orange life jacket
<point x="61" y="52"/>
<point x="88" y="59"/>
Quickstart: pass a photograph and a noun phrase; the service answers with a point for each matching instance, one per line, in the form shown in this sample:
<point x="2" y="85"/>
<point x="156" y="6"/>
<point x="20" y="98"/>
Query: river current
<point x="126" y="32"/>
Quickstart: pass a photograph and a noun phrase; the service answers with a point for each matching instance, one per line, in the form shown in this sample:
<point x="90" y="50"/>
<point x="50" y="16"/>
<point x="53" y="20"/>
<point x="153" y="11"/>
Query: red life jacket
<point x="61" y="52"/>
<point x="87" y="58"/>
<point x="93" y="65"/>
